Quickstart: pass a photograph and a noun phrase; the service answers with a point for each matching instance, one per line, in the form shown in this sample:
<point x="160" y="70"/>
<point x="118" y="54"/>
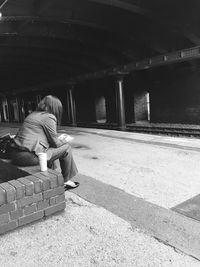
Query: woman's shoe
<point x="71" y="185"/>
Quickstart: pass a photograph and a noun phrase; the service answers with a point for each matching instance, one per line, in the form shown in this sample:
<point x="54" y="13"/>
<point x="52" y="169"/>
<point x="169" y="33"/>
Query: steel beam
<point x="164" y="59"/>
<point x="123" y="5"/>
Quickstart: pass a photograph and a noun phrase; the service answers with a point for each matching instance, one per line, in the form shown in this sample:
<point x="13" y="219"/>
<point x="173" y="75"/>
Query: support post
<point x="120" y="102"/>
<point x="72" y="106"/>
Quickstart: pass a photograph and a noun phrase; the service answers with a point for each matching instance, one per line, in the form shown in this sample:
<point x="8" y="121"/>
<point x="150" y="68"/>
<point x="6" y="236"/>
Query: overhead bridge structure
<point x="111" y="62"/>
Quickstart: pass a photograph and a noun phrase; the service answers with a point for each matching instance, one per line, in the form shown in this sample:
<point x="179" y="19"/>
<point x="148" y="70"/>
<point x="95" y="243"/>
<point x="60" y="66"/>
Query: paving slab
<point x="190" y="208"/>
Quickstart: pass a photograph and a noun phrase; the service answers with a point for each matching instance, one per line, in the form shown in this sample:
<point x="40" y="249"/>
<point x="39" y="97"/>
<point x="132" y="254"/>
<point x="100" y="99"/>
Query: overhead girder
<point x="124" y="5"/>
<point x="152" y="15"/>
<point x="90" y="35"/>
<point x="87" y="63"/>
<point x="60" y="58"/>
<point x="71" y="11"/>
<point x="40" y="48"/>
<point x="46" y="64"/>
<point x="78" y="12"/>
<point x="121" y="27"/>
<point x="61" y="46"/>
<point x="92" y="47"/>
<point x="44" y="68"/>
<point x="53" y="46"/>
<point x="175" y="57"/>
<point x="21" y="78"/>
<point x="190" y="35"/>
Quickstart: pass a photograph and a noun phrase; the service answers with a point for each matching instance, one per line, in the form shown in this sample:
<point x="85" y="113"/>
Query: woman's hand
<point x="66" y="137"/>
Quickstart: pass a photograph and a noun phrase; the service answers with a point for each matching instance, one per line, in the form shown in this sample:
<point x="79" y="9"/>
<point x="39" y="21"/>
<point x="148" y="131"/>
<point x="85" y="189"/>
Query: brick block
<point x="45" y="181"/>
<point x="4" y="218"/>
<point x="19" y="187"/>
<point x="57" y="199"/>
<point x="8" y="227"/>
<point x="43" y="204"/>
<point x="37" y="183"/>
<point x="52" y="201"/>
<point x="52" y="178"/>
<point x="60" y="180"/>
<point x="10" y="192"/>
<point x="14" y="215"/>
<point x="29" y="186"/>
<point x="29" y="200"/>
<point x="54" y="209"/>
<point x="30" y="209"/>
<point x="7" y="208"/>
<point x="31" y="217"/>
<point x="2" y="196"/>
<point x="59" y="176"/>
<point x="53" y="192"/>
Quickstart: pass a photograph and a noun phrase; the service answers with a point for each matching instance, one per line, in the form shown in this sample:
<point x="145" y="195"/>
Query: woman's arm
<point x="50" y="129"/>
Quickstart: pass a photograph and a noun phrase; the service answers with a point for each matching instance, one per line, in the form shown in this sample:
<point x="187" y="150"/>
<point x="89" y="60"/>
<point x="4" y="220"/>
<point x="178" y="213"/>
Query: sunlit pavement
<point x="158" y="171"/>
<point x="162" y="170"/>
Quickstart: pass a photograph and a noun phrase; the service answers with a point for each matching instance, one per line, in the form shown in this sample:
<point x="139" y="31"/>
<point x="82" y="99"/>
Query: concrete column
<point x="120" y="103"/>
<point x="72" y="107"/>
<point x="22" y="111"/>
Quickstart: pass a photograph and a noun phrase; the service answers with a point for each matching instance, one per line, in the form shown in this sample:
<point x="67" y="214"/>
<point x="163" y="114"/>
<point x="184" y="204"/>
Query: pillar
<point x="120" y="102"/>
<point x="72" y="107"/>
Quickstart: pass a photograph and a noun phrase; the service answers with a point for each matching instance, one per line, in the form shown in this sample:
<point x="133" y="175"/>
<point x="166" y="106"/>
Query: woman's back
<point x="34" y="134"/>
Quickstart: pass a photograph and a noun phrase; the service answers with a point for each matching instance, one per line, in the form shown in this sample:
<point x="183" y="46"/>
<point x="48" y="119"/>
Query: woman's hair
<point x="53" y="105"/>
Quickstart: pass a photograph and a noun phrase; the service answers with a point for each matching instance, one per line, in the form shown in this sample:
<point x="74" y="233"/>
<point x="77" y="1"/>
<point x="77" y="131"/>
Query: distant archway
<point x="100" y="107"/>
<point x="142" y="106"/>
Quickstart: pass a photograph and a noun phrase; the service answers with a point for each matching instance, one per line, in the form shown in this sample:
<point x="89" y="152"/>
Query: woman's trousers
<point x="63" y="154"/>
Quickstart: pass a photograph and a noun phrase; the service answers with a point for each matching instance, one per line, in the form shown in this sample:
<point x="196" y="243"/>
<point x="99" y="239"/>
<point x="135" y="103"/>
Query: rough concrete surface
<point x="165" y="176"/>
<point x="86" y="235"/>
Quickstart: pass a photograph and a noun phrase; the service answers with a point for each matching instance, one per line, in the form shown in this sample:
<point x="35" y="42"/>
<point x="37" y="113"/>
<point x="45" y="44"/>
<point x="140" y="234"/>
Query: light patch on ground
<point x="162" y="175"/>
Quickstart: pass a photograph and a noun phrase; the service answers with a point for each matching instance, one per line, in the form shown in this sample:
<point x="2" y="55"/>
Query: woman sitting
<point x="39" y="134"/>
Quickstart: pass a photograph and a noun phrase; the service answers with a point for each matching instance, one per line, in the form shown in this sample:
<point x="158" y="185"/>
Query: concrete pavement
<point x="86" y="235"/>
<point x="89" y="235"/>
<point x="162" y="170"/>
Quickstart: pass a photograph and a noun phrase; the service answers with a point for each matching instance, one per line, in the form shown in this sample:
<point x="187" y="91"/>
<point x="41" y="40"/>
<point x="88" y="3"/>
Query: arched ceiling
<point x="43" y="41"/>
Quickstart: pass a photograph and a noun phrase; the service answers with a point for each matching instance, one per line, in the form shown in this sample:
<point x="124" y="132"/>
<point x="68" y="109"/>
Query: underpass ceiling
<point x="48" y="40"/>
